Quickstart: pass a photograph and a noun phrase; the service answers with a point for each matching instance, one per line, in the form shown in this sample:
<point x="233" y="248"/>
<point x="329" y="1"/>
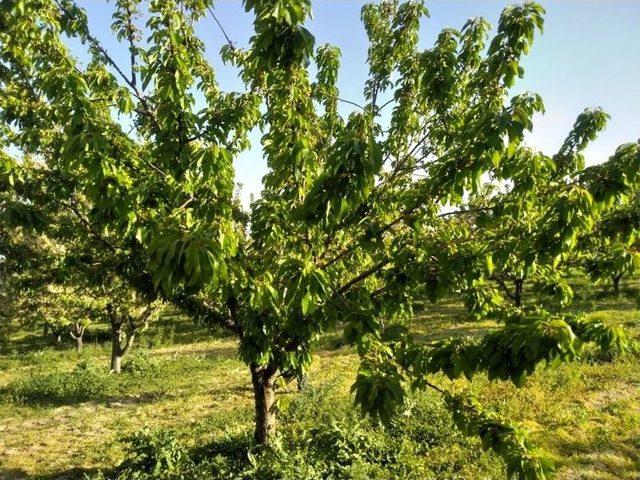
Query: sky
<point x="587" y="56"/>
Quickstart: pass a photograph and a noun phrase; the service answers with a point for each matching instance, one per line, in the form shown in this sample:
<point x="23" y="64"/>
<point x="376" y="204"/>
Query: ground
<point x="56" y="424"/>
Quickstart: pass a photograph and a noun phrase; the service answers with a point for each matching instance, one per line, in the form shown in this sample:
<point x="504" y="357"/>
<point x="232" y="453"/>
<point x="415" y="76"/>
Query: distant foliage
<point x="141" y="363"/>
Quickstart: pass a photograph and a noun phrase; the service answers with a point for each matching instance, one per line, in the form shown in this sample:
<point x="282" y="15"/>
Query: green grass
<point x="62" y="415"/>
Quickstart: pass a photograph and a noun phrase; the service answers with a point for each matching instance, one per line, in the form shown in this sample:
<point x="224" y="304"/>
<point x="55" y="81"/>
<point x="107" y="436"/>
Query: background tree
<point x="349" y="227"/>
<point x="513" y="260"/>
<point x="613" y="253"/>
<point x="128" y="315"/>
<point x="27" y="256"/>
<point x="67" y="312"/>
<point x="54" y="272"/>
<point x="610" y="262"/>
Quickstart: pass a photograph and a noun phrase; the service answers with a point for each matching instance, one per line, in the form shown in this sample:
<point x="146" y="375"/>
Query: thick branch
<point x="198" y="308"/>
<point x="364" y="275"/>
<point x="87" y="225"/>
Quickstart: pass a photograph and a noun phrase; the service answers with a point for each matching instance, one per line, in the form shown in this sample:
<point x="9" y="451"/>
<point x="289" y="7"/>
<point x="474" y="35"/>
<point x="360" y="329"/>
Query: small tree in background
<point x="614" y="252"/>
<point x="609" y="261"/>
<point x="513" y="217"/>
<point x="27" y="256"/>
<point x="128" y="317"/>
<point x="55" y="274"/>
<point x="67" y="312"/>
<point x="349" y="227"/>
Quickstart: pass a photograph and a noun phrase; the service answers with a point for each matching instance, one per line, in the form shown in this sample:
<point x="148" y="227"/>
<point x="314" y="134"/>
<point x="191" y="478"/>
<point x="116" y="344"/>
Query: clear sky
<point x="588" y="55"/>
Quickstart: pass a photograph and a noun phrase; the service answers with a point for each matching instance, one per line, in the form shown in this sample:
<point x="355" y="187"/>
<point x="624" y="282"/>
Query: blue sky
<point x="588" y="55"/>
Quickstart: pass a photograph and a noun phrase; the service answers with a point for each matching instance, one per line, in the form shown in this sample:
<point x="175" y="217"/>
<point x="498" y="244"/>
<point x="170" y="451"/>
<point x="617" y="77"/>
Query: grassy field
<point x="62" y="416"/>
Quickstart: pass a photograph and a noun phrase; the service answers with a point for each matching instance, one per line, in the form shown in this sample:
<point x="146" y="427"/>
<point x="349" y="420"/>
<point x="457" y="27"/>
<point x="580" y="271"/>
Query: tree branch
<point x="199" y="309"/>
<point x="129" y="81"/>
<point x="351" y="103"/>
<point x="87" y="225"/>
<point x="367" y="273"/>
<point x="221" y="27"/>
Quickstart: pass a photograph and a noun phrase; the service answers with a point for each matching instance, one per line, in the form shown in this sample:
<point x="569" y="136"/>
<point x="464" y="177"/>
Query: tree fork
<point x="77" y="332"/>
<point x="118" y="350"/>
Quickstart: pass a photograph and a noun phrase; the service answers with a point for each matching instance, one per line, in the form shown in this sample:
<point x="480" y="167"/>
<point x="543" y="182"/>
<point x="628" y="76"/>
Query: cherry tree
<point x="349" y="228"/>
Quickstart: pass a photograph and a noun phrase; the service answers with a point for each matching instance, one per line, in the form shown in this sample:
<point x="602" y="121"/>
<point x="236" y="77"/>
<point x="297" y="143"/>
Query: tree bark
<point x="616" y="283"/>
<point x="56" y="334"/>
<point x="517" y="293"/>
<point x="116" y="361"/>
<point x="123" y="332"/>
<point x="116" y="348"/>
<point x="263" y="379"/>
<point x="303" y="381"/>
<point x="76" y="332"/>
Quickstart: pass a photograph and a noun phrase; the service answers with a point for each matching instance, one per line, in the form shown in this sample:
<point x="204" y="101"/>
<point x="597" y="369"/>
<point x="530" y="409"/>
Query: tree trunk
<point x="56" y="336"/>
<point x="76" y="332"/>
<point x="56" y="333"/>
<point x="517" y="293"/>
<point x="116" y="349"/>
<point x="616" y="283"/>
<point x="116" y="358"/>
<point x="263" y="379"/>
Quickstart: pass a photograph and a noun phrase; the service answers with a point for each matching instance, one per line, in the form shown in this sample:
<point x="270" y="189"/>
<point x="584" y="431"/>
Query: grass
<point x="62" y="415"/>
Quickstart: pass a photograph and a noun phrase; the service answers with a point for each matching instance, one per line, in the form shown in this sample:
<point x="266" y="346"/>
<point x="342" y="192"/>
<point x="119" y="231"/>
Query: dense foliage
<point x="613" y="252"/>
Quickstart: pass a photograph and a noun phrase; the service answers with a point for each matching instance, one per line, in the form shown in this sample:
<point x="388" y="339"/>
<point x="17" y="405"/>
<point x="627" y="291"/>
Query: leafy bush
<point x="157" y="454"/>
<point x="159" y="337"/>
<point x="395" y="331"/>
<point x="140" y="363"/>
<point x="322" y="438"/>
<point x="634" y="348"/>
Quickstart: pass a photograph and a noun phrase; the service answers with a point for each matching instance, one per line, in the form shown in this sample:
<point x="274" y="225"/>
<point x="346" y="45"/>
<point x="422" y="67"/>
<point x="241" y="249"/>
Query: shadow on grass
<point x="234" y="448"/>
<point x="602" y="459"/>
<point x="81" y="386"/>
<point x="170" y="329"/>
<point x="31" y="342"/>
<point x="75" y="473"/>
<point x="48" y="399"/>
<point x="460" y="330"/>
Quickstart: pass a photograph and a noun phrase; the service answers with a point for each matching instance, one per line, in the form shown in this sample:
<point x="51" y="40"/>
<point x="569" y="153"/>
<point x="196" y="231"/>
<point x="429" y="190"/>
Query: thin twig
<point x="221" y="27"/>
<point x="351" y="103"/>
<point x="129" y="81"/>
